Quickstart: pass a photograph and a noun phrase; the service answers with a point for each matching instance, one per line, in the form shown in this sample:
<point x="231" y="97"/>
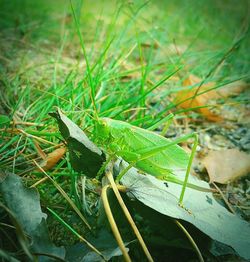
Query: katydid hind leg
<point x="148" y="152"/>
<point x="195" y="137"/>
<point x="151" y="151"/>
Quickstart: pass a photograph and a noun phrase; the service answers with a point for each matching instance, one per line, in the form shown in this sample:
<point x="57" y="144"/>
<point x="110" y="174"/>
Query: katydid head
<point x="101" y="130"/>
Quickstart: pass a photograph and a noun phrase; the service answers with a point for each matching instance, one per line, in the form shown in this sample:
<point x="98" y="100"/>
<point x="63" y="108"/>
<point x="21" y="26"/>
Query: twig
<point x="113" y="225"/>
<point x="128" y="216"/>
<point x="224" y="198"/>
<point x="39" y="182"/>
<point x="18" y="130"/>
<point x="26" y="123"/>
<point x="64" y="194"/>
<point x="191" y="240"/>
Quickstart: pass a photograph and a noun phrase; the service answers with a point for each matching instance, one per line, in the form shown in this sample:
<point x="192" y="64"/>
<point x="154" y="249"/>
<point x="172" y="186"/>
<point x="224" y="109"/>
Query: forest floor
<point x="134" y="61"/>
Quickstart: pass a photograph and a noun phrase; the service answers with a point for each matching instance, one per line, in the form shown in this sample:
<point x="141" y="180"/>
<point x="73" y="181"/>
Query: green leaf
<point x="25" y="205"/>
<point x="200" y="208"/>
<point x="84" y="155"/>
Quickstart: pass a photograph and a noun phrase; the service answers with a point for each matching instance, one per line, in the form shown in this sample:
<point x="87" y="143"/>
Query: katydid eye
<point x="103" y="124"/>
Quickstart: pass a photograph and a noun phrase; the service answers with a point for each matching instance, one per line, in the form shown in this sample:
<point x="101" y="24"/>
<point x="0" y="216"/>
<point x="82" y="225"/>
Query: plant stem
<point x="112" y="223"/>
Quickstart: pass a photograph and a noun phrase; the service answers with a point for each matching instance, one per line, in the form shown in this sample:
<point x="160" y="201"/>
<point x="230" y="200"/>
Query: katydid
<point x="146" y="150"/>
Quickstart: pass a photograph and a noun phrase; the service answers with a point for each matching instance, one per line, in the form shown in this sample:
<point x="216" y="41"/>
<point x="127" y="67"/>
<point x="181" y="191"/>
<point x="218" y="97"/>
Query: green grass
<point x="111" y="58"/>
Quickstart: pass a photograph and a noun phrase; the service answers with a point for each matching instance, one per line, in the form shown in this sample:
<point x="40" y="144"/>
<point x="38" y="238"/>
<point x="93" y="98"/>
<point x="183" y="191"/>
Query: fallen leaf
<point x="204" y="99"/>
<point x="52" y="158"/>
<point x="201" y="208"/>
<point x="25" y="205"/>
<point x="226" y="165"/>
<point x="199" y="100"/>
<point x="84" y="155"/>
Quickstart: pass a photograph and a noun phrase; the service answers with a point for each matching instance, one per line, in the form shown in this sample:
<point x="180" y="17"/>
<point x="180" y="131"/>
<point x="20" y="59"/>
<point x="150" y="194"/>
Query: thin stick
<point x="112" y="223"/>
<point x="39" y="182"/>
<point x="197" y="250"/>
<point x="18" y="130"/>
<point x="224" y="198"/>
<point x="64" y="194"/>
<point x="26" y="123"/>
<point x="128" y="216"/>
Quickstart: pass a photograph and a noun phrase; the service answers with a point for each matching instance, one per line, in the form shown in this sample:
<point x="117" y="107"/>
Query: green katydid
<point x="146" y="150"/>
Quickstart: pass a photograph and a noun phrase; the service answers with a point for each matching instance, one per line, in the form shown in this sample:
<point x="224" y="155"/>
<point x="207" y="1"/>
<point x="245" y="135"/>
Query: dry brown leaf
<point x="203" y="99"/>
<point x="199" y="100"/>
<point x="52" y="158"/>
<point x="226" y="165"/>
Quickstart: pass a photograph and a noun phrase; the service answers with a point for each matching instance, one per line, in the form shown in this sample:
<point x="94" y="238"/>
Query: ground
<point x="135" y="61"/>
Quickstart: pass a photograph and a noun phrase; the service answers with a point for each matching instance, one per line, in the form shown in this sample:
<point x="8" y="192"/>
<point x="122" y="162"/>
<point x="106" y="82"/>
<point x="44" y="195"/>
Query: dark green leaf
<point x="25" y="205"/>
<point x="24" y="243"/>
<point x="85" y="156"/>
